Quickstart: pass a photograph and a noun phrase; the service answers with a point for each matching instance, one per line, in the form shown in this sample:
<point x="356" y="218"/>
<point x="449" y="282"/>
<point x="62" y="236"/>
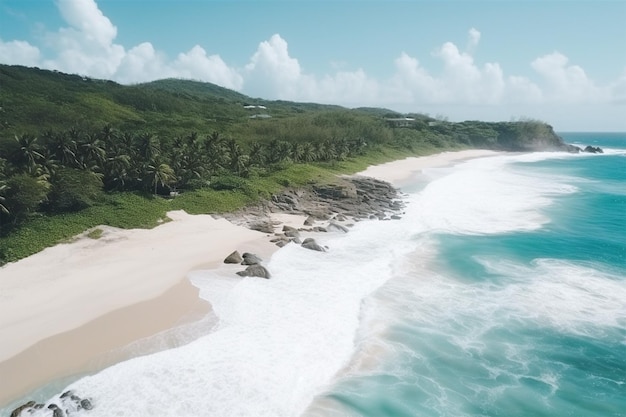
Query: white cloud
<point x="563" y="82"/>
<point x="19" y="53"/>
<point x="466" y="82"/>
<point x="474" y="38"/>
<point x="618" y="90"/>
<point x="142" y="63"/>
<point x="87" y="46"/>
<point x="196" y="64"/>
<point x="271" y="71"/>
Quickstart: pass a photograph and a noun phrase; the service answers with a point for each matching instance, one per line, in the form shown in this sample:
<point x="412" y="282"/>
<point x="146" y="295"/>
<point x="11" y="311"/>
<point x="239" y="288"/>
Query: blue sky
<point x="559" y="61"/>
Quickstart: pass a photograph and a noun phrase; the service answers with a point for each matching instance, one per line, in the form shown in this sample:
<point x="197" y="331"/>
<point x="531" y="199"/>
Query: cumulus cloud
<point x="87" y="46"/>
<point x="618" y="90"/>
<point x="196" y="64"/>
<point x="564" y="82"/>
<point x="474" y="38"/>
<point x="19" y="53"/>
<point x="273" y="73"/>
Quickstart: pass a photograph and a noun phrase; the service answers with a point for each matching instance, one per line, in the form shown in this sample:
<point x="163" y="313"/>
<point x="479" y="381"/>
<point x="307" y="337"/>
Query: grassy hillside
<point x="34" y="100"/>
<point x="76" y="152"/>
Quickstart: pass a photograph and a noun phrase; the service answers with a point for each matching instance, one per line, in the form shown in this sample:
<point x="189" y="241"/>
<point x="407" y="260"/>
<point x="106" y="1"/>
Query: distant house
<point x="259" y="116"/>
<point x="400" y="121"/>
<point x="254" y="106"/>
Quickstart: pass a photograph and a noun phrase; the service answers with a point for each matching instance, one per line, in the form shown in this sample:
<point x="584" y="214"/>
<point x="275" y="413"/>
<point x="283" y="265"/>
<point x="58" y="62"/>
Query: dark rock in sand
<point x="291" y="231"/>
<point x="336" y="227"/>
<point x="18" y="411"/>
<point x="233" y="258"/>
<point x="395" y="217"/>
<point x="311" y="244"/>
<point x="309" y="221"/>
<point x="262" y="226"/>
<point x="255" y="271"/>
<point x="282" y="243"/>
<point x="250" y="259"/>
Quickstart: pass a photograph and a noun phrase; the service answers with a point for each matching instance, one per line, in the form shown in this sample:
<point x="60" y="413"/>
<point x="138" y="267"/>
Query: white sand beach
<point x="62" y="291"/>
<point x="397" y="172"/>
<point x="68" y="305"/>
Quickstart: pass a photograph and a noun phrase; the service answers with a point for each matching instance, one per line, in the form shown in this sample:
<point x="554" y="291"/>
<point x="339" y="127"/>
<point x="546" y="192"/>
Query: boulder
<point x="291" y="231"/>
<point x="56" y="411"/>
<point x="336" y="191"/>
<point x="309" y="221"/>
<point x="86" y="404"/>
<point x="255" y="271"/>
<point x="264" y="226"/>
<point x="250" y="259"/>
<point x="18" y="411"/>
<point x="336" y="228"/>
<point x="593" y="149"/>
<point x="311" y="244"/>
<point x="233" y="258"/>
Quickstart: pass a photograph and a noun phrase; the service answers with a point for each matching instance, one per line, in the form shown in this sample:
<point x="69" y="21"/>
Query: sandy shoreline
<point x="58" y="296"/>
<point x="62" y="310"/>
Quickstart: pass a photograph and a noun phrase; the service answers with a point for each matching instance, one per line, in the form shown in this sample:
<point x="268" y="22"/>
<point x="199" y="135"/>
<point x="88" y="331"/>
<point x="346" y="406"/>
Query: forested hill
<point x="34" y="101"/>
<point x="77" y="152"/>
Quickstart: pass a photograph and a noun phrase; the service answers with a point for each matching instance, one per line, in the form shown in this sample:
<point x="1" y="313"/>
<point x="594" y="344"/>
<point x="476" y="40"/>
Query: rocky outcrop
<point x="291" y="232"/>
<point x="264" y="226"/>
<point x="347" y="199"/>
<point x="593" y="149"/>
<point x="233" y="258"/>
<point x="250" y="259"/>
<point x="65" y="405"/>
<point x="336" y="227"/>
<point x="255" y="271"/>
<point x="310" y="243"/>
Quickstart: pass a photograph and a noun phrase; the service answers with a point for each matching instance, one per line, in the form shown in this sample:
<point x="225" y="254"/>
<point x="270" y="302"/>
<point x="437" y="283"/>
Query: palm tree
<point x="28" y="153"/>
<point x="296" y="152"/>
<point x="307" y="152"/>
<point x="160" y="173"/>
<point x="63" y="147"/>
<point x="238" y="160"/>
<point x="215" y="152"/>
<point x="3" y="208"/>
<point x="91" y="153"/>
<point x="257" y="154"/>
<point x="116" y="171"/>
<point x="148" y="147"/>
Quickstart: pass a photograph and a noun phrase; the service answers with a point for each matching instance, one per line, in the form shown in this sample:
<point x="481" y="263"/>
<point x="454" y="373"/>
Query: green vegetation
<point x="76" y="152"/>
<point x="95" y="233"/>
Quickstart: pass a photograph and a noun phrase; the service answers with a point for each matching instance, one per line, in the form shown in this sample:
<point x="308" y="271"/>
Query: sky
<point x="560" y="61"/>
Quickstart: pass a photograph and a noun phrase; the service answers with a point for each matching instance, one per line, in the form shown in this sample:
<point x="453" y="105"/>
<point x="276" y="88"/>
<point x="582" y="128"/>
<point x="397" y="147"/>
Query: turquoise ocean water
<point x="521" y="319"/>
<point x="501" y="292"/>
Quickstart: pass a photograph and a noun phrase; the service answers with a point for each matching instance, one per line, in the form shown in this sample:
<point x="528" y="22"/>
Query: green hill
<point x="76" y="152"/>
